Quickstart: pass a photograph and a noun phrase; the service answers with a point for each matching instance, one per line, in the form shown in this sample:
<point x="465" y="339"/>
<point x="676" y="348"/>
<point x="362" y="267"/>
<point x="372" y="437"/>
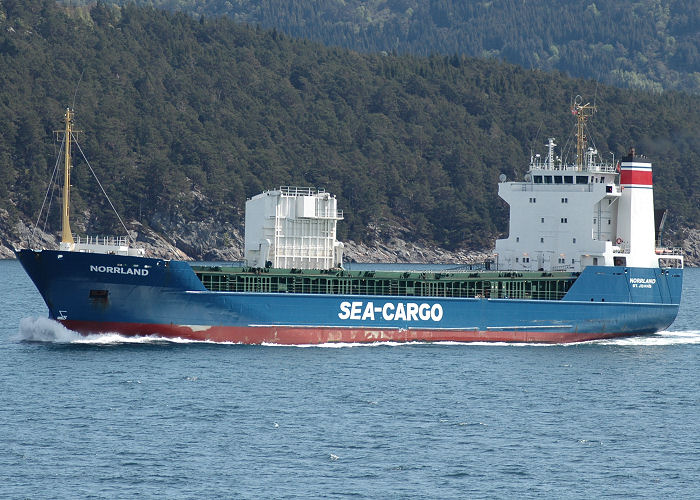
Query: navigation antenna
<point x="582" y="112"/>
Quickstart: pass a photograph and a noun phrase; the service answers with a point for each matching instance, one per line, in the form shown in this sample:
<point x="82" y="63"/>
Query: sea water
<point x="108" y="416"/>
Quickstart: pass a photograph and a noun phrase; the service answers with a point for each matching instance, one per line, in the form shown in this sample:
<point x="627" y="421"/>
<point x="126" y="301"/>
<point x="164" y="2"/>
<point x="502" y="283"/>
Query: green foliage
<point x="643" y="44"/>
<point x="188" y="118"/>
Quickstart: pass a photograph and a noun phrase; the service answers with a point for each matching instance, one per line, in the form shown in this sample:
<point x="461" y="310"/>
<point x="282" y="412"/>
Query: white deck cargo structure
<point x="293" y="227"/>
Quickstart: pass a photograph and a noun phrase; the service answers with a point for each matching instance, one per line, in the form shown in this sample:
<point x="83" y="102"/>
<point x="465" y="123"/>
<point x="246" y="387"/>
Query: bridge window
<point x="537" y="179"/>
<point x="568" y="179"/>
<point x="581" y="179"/>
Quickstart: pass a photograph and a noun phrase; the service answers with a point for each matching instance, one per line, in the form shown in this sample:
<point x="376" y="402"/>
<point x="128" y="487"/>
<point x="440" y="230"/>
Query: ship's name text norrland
<point x="119" y="270"/>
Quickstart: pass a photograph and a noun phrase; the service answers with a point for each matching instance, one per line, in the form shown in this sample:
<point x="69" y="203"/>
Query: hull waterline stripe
<point x="527" y="327"/>
<point x="355" y="327"/>
<point x="347" y="327"/>
<point x="305" y="336"/>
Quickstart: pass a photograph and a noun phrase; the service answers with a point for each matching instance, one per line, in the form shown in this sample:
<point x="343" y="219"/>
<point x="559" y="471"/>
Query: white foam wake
<point x="48" y="330"/>
<point x="657" y="339"/>
<point x="342" y="345"/>
<point x="45" y="330"/>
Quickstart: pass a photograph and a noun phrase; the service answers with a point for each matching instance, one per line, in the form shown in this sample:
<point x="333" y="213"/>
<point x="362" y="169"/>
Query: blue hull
<point x="139" y="296"/>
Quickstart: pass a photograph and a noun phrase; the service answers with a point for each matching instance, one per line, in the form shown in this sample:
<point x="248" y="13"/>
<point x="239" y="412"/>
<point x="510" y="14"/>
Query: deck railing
<point x="300" y="191"/>
<point x="116" y="241"/>
<point x="476" y="286"/>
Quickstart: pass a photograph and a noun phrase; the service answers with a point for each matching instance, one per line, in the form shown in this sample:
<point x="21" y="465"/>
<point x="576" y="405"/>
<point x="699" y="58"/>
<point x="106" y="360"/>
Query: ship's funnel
<point x="635" y="228"/>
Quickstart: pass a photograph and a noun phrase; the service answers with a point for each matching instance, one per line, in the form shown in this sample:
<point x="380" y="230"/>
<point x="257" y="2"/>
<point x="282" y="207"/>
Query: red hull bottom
<point x="286" y="335"/>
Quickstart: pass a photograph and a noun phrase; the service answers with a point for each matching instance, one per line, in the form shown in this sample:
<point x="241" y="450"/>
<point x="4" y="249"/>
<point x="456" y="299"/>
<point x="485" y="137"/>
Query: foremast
<point x="67" y="242"/>
<point x="91" y="244"/>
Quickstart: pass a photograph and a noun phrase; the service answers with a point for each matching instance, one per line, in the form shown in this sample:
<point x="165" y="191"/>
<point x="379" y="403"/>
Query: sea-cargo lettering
<point x="119" y="270"/>
<point x="401" y="311"/>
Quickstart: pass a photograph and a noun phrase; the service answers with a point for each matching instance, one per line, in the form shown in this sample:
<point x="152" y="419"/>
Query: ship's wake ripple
<point x="47" y="330"/>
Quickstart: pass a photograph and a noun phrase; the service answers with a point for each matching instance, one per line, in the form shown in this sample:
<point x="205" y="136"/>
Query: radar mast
<point x="582" y="112"/>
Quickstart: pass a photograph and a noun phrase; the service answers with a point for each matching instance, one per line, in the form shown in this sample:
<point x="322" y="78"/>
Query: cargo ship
<point x="581" y="262"/>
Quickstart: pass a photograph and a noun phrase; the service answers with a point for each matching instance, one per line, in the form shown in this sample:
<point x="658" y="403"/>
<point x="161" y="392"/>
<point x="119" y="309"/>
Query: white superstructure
<point x="293" y="227"/>
<point x="564" y="217"/>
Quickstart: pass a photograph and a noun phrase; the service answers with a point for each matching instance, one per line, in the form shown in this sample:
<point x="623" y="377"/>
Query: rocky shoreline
<point x="213" y="241"/>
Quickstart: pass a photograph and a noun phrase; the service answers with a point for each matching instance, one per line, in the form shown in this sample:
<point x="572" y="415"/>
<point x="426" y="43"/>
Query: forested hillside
<point x="185" y="118"/>
<point x="648" y="44"/>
